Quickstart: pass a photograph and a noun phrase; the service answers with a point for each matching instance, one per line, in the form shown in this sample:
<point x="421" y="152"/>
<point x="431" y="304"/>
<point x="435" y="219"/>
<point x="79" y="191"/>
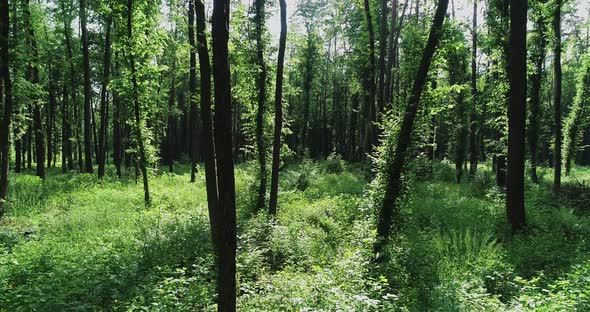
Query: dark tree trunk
<point x="102" y="135"/>
<point x="516" y="115"/>
<point x="194" y="116"/>
<point x="473" y="116"/>
<point x="390" y="209"/>
<point x="171" y="131"/>
<point x="535" y="102"/>
<point x="50" y="115"/>
<point x="392" y="43"/>
<point x="33" y="77"/>
<point x="382" y="52"/>
<point x="557" y="97"/>
<point x="87" y="92"/>
<point x="225" y="162"/>
<point x="66" y="144"/>
<point x="6" y="90"/>
<point x="142" y="164"/>
<point x="370" y="124"/>
<point x="259" y="19"/>
<point x="276" y="148"/>
<point x="207" y="138"/>
<point x="117" y="130"/>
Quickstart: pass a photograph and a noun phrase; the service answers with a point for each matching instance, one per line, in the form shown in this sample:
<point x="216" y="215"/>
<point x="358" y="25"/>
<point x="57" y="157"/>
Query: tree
<point x="33" y="78"/>
<point x="207" y="137"/>
<point x="473" y="115"/>
<point x="276" y="148"/>
<point x="382" y="52"/>
<point x="538" y="46"/>
<point x="226" y="211"/>
<point x="390" y="205"/>
<point x="370" y="125"/>
<point x="87" y="91"/>
<point x="6" y="92"/>
<point x="516" y="115"/>
<point x="102" y="135"/>
<point x="259" y="19"/>
<point x="136" y="107"/>
<point x="578" y="117"/>
<point x="194" y="116"/>
<point x="557" y="96"/>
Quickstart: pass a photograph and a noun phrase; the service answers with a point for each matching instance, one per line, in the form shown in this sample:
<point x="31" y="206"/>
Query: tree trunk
<point x="207" y="138"/>
<point x="473" y="117"/>
<point x="117" y="130"/>
<point x="6" y="89"/>
<point x="557" y="97"/>
<point x="66" y="144"/>
<point x="370" y="124"/>
<point x="102" y="139"/>
<point x="390" y="208"/>
<point x="382" y="52"/>
<point x="276" y="148"/>
<point x="136" y="108"/>
<point x="535" y="102"/>
<point x="225" y="162"/>
<point x="87" y="92"/>
<point x="259" y="19"/>
<point x="33" y="77"/>
<point x="193" y="137"/>
<point x="517" y="69"/>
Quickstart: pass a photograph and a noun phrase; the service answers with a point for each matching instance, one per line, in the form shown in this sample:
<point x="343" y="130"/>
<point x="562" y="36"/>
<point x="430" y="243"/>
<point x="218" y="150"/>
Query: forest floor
<point x="73" y="243"/>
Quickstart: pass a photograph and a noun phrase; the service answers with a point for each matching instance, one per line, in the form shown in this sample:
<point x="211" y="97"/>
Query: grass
<point x="73" y="243"/>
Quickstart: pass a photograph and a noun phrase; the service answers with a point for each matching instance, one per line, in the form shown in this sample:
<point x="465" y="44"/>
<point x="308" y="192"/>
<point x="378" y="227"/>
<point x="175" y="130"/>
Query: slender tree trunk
<point x="87" y="92"/>
<point x="382" y="52"/>
<point x="117" y="130"/>
<point x="370" y="125"/>
<point x="102" y="135"/>
<point x="392" y="45"/>
<point x="33" y="77"/>
<point x="225" y="162"/>
<point x="473" y="117"/>
<point x="142" y="164"/>
<point x="390" y="209"/>
<point x="516" y="115"/>
<point x="259" y="19"/>
<point x="535" y="114"/>
<point x="65" y="135"/>
<point x="276" y="148"/>
<point x="6" y="89"/>
<point x="102" y="139"/>
<point x="207" y="137"/>
<point x="193" y="137"/>
<point x="557" y="97"/>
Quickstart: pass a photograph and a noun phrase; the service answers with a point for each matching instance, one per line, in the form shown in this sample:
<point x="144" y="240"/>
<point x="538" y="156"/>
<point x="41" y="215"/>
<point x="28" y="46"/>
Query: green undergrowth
<point x="73" y="243"/>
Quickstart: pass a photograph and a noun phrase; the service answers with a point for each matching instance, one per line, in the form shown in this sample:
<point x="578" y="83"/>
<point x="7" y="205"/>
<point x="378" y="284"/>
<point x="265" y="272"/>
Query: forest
<point x="294" y="155"/>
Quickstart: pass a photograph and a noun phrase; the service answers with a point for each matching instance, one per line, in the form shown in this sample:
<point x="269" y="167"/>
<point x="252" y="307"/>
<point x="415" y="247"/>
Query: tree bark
<point x="102" y="135"/>
<point x="117" y="131"/>
<point x="225" y="162"/>
<point x="87" y="92"/>
<point x="194" y="115"/>
<point x="516" y="115"/>
<point x="535" y="102"/>
<point x="259" y="19"/>
<point x="557" y="97"/>
<point x="390" y="208"/>
<point x="6" y="89"/>
<point x="276" y="149"/>
<point x="473" y="116"/>
<point x="207" y="137"/>
<point x="33" y="77"/>
<point x="382" y="52"/>
<point x="136" y="107"/>
<point x="370" y="124"/>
